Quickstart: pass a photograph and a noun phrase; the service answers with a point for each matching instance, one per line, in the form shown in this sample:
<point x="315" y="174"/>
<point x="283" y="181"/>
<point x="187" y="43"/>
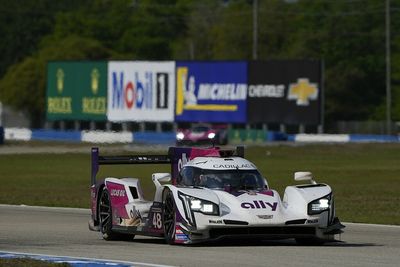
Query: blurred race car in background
<point x="203" y="134"/>
<point x="210" y="194"/>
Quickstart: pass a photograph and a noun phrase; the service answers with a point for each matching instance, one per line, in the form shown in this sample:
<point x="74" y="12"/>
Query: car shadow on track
<point x="255" y="243"/>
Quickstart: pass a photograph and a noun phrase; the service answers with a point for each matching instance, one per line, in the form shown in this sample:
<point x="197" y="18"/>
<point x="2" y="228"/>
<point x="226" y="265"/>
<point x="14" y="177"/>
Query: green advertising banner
<point x="76" y="90"/>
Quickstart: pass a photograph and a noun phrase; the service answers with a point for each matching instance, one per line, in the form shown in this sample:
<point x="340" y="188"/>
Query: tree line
<point x="348" y="35"/>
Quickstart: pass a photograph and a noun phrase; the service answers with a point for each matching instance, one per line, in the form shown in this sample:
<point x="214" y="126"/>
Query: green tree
<point x="24" y="84"/>
<point x="198" y="40"/>
<point x="23" y="23"/>
<point x="136" y="29"/>
<point x="348" y="35"/>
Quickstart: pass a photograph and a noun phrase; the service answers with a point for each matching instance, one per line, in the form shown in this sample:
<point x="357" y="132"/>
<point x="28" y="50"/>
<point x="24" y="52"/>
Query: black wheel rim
<point x="105" y="212"/>
<point x="169" y="218"/>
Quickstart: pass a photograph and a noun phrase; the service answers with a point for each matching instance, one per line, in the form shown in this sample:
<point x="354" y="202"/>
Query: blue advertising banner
<point x="211" y="91"/>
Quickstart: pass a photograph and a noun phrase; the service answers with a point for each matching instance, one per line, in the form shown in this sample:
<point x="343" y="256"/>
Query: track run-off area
<point x="64" y="232"/>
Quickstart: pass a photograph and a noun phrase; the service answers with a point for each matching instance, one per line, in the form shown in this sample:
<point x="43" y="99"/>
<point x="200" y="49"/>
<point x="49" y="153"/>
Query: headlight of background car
<point x="211" y="135"/>
<point x="180" y="136"/>
<point x="319" y="205"/>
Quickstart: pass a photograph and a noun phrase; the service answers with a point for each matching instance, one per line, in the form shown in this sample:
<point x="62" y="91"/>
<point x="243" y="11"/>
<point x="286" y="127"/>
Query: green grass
<point x="365" y="177"/>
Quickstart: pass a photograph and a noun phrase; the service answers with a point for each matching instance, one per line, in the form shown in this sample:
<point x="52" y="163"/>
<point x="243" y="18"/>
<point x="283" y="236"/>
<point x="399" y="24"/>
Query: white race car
<point x="213" y="194"/>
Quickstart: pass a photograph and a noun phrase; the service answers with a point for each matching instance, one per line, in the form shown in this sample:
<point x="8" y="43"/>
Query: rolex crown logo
<point x="60" y="80"/>
<point x="95" y="80"/>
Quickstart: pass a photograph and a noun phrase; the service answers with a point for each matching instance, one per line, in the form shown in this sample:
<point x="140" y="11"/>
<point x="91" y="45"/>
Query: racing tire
<point x="105" y="219"/>
<point x="311" y="241"/>
<point x="169" y="217"/>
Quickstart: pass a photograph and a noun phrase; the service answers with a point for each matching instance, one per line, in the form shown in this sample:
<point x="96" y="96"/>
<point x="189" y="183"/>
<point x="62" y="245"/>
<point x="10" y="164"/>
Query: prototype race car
<point x="213" y="194"/>
<point x="202" y="134"/>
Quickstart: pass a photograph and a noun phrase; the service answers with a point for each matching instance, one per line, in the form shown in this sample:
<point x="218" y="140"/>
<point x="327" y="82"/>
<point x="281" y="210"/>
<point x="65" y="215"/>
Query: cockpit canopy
<point x="229" y="180"/>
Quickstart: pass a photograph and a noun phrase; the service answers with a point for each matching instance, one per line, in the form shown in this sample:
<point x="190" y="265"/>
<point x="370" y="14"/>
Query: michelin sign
<point x="141" y="91"/>
<point x="211" y="91"/>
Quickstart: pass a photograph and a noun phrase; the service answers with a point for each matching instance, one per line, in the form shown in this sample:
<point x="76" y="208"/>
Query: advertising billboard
<point x="141" y="91"/>
<point x="284" y="92"/>
<point x="76" y="90"/>
<point x="211" y="91"/>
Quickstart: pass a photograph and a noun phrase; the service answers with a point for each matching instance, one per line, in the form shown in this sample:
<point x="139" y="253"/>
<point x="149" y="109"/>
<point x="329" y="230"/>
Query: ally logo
<point x="259" y="204"/>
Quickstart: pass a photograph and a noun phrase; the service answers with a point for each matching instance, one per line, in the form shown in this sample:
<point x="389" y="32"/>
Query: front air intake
<point x="134" y="192"/>
<point x="291" y="231"/>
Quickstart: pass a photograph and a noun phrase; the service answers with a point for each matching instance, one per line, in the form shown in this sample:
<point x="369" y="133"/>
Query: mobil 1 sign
<point x="284" y="92"/>
<point x="141" y="91"/>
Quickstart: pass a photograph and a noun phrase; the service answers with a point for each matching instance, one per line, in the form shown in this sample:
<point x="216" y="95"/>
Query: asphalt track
<point x="64" y="232"/>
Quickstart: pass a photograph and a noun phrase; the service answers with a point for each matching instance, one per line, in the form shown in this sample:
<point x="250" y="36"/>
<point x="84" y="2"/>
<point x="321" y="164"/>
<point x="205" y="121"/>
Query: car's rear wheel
<point x="169" y="217"/>
<point x="105" y="218"/>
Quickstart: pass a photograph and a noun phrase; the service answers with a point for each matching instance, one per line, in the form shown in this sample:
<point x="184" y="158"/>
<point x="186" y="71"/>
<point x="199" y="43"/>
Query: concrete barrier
<point x="154" y="137"/>
<point x="236" y="137"/>
<point x="373" y="138"/>
<point x="53" y="135"/>
<point x="18" y="134"/>
<point x="107" y="137"/>
<point x="321" y="138"/>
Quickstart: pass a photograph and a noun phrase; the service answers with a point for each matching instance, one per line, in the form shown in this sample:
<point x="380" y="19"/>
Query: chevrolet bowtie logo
<point x="303" y="91"/>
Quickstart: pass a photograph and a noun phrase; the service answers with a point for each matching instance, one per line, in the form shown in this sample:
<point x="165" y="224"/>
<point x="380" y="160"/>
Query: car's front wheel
<point x="169" y="217"/>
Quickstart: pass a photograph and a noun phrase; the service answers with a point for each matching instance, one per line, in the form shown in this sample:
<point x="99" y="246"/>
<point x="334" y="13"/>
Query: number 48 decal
<point x="157" y="223"/>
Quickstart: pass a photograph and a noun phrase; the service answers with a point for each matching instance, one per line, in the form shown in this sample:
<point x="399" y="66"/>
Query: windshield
<point x="200" y="129"/>
<point x="228" y="180"/>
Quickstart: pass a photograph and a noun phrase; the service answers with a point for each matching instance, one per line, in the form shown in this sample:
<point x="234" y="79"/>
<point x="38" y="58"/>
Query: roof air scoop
<point x="304" y="176"/>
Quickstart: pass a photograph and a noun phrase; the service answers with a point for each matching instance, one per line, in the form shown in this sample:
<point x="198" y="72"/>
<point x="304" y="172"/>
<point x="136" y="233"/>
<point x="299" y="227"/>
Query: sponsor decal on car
<point x="182" y="161"/>
<point x="216" y="221"/>
<point x="117" y="192"/>
<point x="233" y="166"/>
<point x="259" y="204"/>
<point x="266" y="217"/>
<point x="180" y="236"/>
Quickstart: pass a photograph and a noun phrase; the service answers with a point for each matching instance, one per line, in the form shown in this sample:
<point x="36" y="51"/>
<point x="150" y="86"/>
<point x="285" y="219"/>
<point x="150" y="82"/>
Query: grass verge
<point x="364" y="177"/>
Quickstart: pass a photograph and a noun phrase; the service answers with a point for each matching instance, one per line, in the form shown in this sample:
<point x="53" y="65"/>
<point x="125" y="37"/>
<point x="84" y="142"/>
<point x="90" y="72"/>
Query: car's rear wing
<point x="177" y="157"/>
<point x="124" y="159"/>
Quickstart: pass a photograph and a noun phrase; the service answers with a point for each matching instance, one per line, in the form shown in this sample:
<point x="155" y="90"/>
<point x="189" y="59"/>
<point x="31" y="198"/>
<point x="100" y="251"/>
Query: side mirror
<point x="304" y="176"/>
<point x="162" y="177"/>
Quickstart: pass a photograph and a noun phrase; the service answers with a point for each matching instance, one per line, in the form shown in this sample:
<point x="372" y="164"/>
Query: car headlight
<point x="320" y="205"/>
<point x="201" y="205"/>
<point x="211" y="135"/>
<point x="180" y="136"/>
